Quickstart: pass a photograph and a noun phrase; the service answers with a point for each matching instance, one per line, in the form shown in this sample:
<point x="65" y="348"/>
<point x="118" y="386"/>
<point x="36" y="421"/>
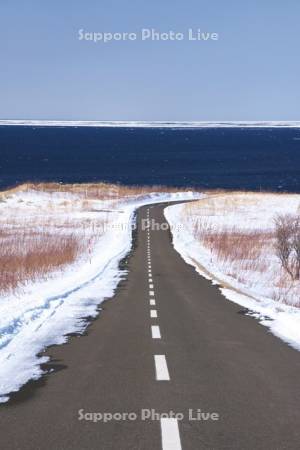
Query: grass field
<point x="236" y="232"/>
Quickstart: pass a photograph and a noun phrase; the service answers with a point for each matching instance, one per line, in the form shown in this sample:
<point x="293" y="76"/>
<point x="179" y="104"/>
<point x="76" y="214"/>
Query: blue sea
<point x="231" y="158"/>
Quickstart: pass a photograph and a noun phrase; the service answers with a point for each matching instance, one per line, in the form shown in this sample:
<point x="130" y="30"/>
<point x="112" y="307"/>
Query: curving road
<point x="168" y="343"/>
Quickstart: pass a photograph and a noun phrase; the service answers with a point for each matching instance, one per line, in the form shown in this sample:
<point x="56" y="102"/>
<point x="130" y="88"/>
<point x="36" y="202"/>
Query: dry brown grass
<point x="97" y="191"/>
<point x="245" y="248"/>
<point x="36" y="242"/>
<point x="219" y="203"/>
<point x="32" y="250"/>
<point x="28" y="256"/>
<point x="237" y="231"/>
<point x="238" y="249"/>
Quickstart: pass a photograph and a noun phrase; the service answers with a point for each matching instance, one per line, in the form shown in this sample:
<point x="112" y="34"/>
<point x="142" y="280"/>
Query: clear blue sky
<point x="251" y="73"/>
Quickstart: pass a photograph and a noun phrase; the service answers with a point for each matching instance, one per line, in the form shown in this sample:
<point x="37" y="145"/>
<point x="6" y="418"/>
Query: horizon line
<point x="153" y="123"/>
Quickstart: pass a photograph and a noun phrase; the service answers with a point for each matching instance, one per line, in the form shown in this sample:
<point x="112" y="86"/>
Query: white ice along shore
<point x="152" y="124"/>
<point x="45" y="312"/>
<point x="255" y="295"/>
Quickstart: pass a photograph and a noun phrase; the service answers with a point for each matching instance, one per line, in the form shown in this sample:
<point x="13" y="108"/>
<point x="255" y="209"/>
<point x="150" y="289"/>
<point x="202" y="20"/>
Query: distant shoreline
<point x="153" y="124"/>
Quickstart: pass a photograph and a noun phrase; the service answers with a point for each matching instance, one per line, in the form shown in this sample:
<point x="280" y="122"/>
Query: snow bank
<point x="282" y="320"/>
<point x="47" y="311"/>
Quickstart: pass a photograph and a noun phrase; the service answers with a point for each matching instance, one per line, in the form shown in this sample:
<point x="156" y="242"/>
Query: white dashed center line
<point x="155" y="332"/>
<point x="161" y="368"/>
<point x="153" y="313"/>
<point x="170" y="437"/>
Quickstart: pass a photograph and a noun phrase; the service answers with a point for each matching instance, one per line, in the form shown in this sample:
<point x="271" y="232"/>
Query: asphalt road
<point x="202" y="354"/>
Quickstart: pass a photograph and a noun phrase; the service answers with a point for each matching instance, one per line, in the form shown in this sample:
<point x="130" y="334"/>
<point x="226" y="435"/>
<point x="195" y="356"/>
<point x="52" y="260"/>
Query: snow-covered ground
<point x="258" y="284"/>
<point x="42" y="313"/>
